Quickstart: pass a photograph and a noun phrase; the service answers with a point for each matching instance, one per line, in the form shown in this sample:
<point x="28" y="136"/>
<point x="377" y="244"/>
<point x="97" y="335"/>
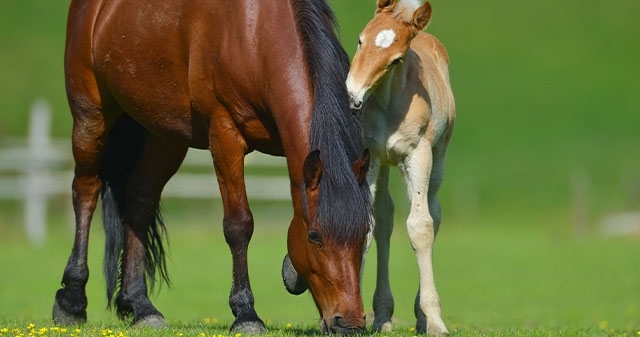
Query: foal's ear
<point x="361" y="166"/>
<point x="386" y="5"/>
<point x="421" y="17"/>
<point x="312" y="170"/>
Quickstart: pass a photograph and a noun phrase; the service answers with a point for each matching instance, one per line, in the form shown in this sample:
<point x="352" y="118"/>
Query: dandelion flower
<point x="604" y="325"/>
<point x="288" y="325"/>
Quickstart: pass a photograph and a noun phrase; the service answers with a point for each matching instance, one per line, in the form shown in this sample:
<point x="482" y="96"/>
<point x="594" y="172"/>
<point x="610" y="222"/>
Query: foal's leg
<point x="228" y="150"/>
<point x="159" y="160"/>
<point x="421" y="227"/>
<point x="383" y="216"/>
<point x="90" y="127"/>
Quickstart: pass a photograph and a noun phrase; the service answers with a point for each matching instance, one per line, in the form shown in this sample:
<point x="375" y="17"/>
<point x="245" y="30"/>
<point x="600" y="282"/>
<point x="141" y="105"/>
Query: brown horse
<point x="399" y="77"/>
<point x="146" y="80"/>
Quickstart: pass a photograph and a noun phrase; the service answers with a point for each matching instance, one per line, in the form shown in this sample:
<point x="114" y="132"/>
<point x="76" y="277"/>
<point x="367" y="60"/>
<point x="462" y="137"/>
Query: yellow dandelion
<point x="638" y="332"/>
<point x="288" y="325"/>
<point x="202" y="334"/>
<point x="215" y="320"/>
<point x="179" y="334"/>
<point x="412" y="329"/>
<point x="5" y="330"/>
<point x="238" y="335"/>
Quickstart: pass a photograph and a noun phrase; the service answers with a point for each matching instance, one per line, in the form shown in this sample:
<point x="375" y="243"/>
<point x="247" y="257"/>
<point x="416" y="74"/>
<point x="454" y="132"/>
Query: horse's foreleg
<point x="421" y="227"/>
<point x="143" y="249"/>
<point x="383" y="217"/>
<point x="88" y="136"/>
<point x="228" y="152"/>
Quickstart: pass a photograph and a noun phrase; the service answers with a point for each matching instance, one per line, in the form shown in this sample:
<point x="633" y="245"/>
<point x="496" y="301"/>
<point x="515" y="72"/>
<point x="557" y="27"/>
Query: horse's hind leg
<point x="422" y="223"/>
<point x="143" y="251"/>
<point x="383" y="216"/>
<point x="90" y="127"/>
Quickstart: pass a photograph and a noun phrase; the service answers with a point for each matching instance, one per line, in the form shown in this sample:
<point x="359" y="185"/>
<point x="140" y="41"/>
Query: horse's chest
<point x="391" y="136"/>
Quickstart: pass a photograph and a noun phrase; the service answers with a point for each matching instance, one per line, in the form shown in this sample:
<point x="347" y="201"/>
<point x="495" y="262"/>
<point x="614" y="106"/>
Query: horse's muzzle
<point x="342" y="326"/>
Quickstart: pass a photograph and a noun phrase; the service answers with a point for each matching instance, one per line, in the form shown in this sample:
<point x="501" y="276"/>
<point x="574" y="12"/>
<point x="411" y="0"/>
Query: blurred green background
<point x="545" y="147"/>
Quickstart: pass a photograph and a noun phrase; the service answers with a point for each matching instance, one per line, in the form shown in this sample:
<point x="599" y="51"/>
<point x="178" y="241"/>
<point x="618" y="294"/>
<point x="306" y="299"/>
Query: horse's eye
<point x="359" y="42"/>
<point x="314" y="236"/>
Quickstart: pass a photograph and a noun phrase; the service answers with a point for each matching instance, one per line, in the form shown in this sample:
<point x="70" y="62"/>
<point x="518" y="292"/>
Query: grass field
<point x="509" y="282"/>
<point x="546" y="93"/>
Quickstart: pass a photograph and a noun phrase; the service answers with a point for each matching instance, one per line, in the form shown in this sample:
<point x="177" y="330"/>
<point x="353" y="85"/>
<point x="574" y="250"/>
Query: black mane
<point x="344" y="205"/>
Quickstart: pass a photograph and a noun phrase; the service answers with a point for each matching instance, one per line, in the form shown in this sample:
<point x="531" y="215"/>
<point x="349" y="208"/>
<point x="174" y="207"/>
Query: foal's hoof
<point x="153" y="321"/>
<point x="249" y="328"/>
<point x="63" y="317"/>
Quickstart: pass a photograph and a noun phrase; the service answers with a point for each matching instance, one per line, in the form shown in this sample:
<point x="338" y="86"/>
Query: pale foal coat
<point x="409" y="113"/>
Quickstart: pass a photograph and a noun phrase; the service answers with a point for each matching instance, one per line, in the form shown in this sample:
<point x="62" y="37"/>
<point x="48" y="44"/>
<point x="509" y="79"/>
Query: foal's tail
<point x="122" y="151"/>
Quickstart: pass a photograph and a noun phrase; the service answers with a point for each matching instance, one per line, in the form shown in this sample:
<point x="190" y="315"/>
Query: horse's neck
<point x="393" y="83"/>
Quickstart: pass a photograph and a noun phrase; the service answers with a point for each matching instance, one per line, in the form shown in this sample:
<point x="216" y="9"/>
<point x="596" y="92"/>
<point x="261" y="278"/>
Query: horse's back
<point x="435" y="78"/>
<point x="433" y="54"/>
<point x="186" y="60"/>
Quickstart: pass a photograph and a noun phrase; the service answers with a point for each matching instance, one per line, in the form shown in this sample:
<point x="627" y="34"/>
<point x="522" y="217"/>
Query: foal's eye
<point x="359" y="42"/>
<point x="397" y="61"/>
<point x="314" y="236"/>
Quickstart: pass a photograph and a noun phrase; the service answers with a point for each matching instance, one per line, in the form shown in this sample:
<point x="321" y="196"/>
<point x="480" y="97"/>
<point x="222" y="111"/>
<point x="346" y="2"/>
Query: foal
<point x="399" y="79"/>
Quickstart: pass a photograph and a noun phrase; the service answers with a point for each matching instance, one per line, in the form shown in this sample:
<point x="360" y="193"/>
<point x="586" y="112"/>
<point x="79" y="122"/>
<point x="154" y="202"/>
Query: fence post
<point x="35" y="207"/>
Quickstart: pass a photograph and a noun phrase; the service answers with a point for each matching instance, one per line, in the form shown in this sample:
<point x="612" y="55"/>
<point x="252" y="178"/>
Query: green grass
<point x="545" y="91"/>
<point x="510" y="282"/>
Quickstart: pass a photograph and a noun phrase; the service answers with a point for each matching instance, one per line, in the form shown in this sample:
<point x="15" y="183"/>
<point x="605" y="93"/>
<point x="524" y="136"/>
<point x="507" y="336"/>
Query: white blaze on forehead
<point x="385" y="38"/>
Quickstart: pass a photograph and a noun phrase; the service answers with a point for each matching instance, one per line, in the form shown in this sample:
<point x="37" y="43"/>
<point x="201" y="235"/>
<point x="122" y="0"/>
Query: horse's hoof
<point x="382" y="327"/>
<point x="62" y="317"/>
<point x="249" y="328"/>
<point x="437" y="331"/>
<point x="153" y="321"/>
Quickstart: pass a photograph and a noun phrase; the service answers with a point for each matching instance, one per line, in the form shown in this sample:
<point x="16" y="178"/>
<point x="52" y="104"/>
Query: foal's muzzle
<point x="355" y="104"/>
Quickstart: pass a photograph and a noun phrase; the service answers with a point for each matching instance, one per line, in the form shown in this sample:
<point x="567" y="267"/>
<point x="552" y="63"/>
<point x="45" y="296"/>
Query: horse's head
<point x="322" y="260"/>
<point x="383" y="44"/>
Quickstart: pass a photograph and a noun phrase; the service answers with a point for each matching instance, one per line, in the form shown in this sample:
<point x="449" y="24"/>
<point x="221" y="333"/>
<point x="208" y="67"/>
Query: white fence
<point x="40" y="168"/>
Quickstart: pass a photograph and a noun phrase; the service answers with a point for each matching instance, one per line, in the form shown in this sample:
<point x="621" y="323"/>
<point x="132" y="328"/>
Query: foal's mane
<point x="344" y="207"/>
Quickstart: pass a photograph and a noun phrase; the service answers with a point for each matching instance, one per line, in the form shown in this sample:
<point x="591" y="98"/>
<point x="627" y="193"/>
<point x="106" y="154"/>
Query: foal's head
<point x="383" y="44"/>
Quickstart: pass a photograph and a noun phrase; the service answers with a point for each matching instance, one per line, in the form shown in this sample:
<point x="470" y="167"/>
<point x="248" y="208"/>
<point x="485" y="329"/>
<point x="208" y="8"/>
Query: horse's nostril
<point x="339" y="325"/>
<point x="357" y="105"/>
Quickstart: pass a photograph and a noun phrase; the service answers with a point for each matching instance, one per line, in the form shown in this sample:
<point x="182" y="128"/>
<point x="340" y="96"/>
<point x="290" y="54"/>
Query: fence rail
<point x="40" y="167"/>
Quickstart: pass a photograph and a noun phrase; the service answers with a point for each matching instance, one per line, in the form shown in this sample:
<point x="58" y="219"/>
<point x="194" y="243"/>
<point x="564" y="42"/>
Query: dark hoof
<point x="249" y="328"/>
<point x="153" y="321"/>
<point x="63" y="317"/>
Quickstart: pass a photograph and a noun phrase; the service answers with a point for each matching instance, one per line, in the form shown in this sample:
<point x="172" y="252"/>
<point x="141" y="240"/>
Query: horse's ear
<point x="312" y="170"/>
<point x="386" y="5"/>
<point x="361" y="166"/>
<point x="421" y="17"/>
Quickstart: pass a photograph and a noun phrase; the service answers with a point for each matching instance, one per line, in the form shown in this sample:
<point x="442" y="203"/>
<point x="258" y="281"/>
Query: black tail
<point x="122" y="150"/>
